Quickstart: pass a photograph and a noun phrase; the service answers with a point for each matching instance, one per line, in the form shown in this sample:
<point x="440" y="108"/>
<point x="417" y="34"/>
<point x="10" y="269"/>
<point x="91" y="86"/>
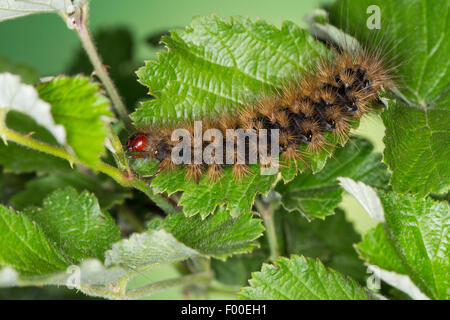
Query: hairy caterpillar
<point x="339" y="89"/>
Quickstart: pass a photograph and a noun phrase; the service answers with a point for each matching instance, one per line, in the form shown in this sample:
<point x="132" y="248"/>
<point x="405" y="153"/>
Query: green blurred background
<point x="46" y="44"/>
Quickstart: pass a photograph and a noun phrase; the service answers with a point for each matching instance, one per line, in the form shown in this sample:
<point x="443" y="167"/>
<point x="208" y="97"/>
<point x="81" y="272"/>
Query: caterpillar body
<point x="337" y="90"/>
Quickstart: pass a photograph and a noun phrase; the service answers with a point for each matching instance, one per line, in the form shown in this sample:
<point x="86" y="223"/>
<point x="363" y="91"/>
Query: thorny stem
<point x="79" y="21"/>
<point x="223" y="290"/>
<point x="117" y="150"/>
<point x="122" y="293"/>
<point x="267" y="213"/>
<point x="123" y="178"/>
<point x="119" y="290"/>
<point x="196" y="278"/>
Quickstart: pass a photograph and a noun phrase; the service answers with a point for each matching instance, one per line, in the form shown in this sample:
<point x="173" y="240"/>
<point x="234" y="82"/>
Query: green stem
<point x="11" y="135"/>
<point x="268" y="213"/>
<point x="218" y="287"/>
<point x="123" y="178"/>
<point x="82" y="29"/>
<point x="118" y="153"/>
<point x="196" y="278"/>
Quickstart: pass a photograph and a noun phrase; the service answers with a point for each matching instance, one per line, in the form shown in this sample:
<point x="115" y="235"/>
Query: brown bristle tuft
<point x="167" y="164"/>
<point x="292" y="154"/>
<point x="214" y="173"/>
<point x="248" y="118"/>
<point x="318" y="143"/>
<point x="194" y="172"/>
<point x="306" y="108"/>
<point x="308" y="88"/>
<point x="240" y="171"/>
<point x="282" y="118"/>
<point x="335" y="115"/>
<point x="227" y="122"/>
<point x="290" y="95"/>
<point x="327" y="96"/>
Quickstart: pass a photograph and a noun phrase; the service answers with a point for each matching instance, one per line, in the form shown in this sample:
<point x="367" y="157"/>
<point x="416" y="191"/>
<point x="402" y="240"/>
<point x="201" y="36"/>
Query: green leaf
<point x="107" y="192"/>
<point x="300" y="278"/>
<point x="401" y="286"/>
<point x="203" y="198"/>
<point x="19" y="159"/>
<point x="417" y="133"/>
<point x="126" y="259"/>
<point x="413" y="241"/>
<point x="76" y="224"/>
<point x="27" y="74"/>
<point x="177" y="238"/>
<point x="41" y="293"/>
<point x="72" y="226"/>
<point x="215" y="66"/>
<point x="218" y="236"/>
<point x="419" y="231"/>
<point x="418" y="147"/>
<point x="376" y="249"/>
<point x="78" y="105"/>
<point x="317" y="195"/>
<point x="331" y="241"/>
<point x="19" y="8"/>
<point x="422" y="41"/>
<point x="24" y="246"/>
<point x="144" y="167"/>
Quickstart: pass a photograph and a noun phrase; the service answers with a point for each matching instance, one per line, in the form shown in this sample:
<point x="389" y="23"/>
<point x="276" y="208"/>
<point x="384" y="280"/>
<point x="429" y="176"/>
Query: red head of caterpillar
<point x="137" y="142"/>
<point x="148" y="145"/>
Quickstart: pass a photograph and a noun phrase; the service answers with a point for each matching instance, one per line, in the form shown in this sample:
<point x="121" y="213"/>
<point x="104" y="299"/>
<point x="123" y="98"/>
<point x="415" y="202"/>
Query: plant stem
<point x="117" y="150"/>
<point x="11" y="135"/>
<point x="82" y="29"/>
<point x="218" y="287"/>
<point x="201" y="277"/>
<point x="267" y="213"/>
<point x="123" y="178"/>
